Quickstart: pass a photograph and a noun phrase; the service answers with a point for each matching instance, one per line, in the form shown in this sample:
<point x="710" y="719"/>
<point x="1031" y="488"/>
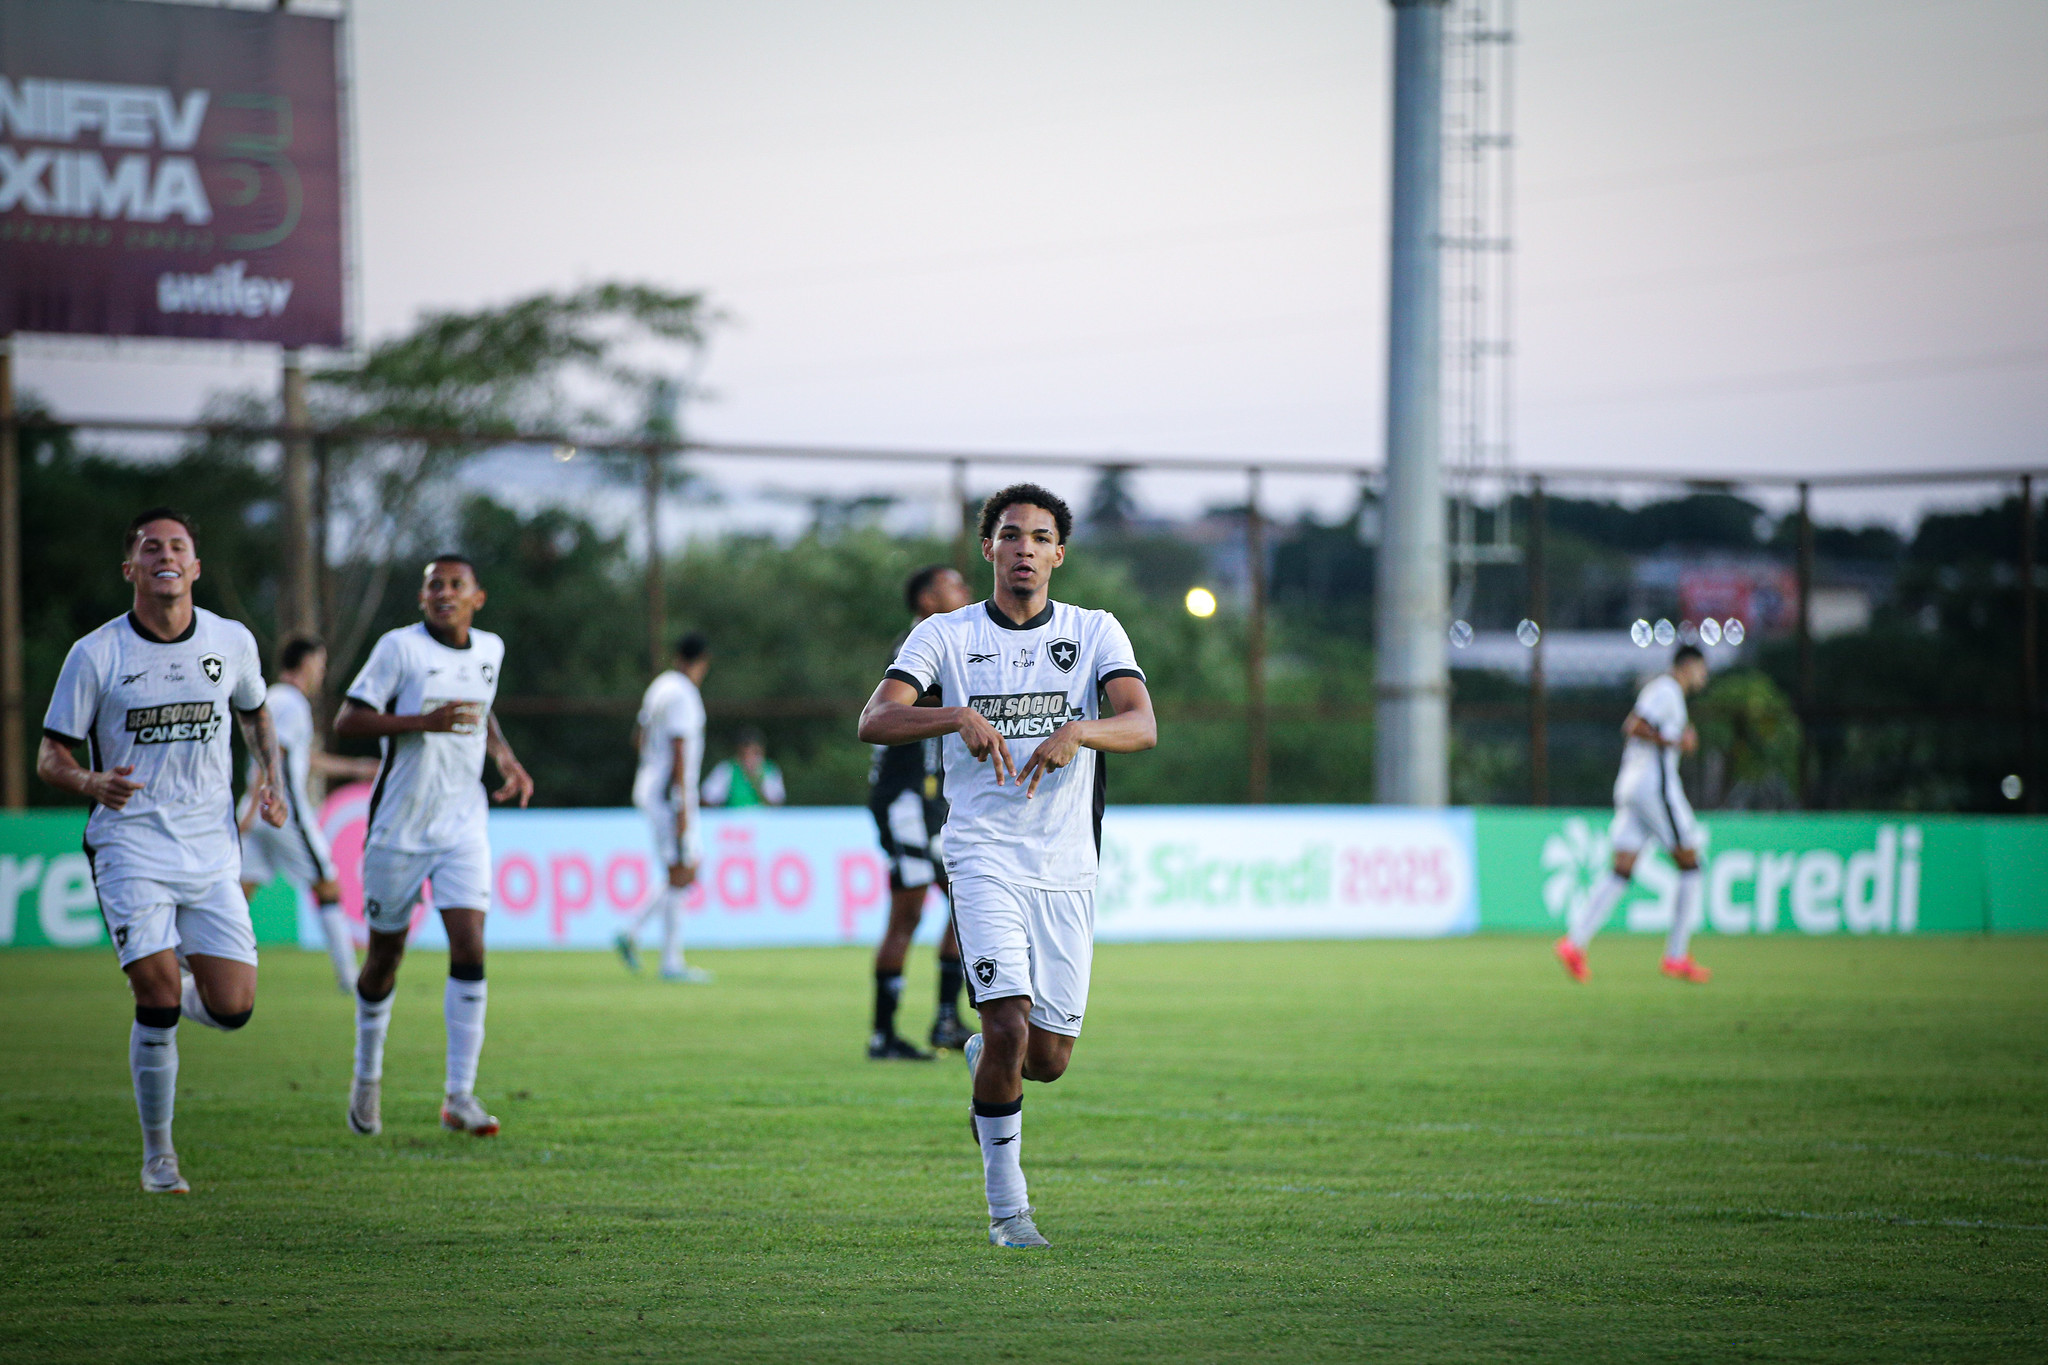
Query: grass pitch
<point x="1429" y="1151"/>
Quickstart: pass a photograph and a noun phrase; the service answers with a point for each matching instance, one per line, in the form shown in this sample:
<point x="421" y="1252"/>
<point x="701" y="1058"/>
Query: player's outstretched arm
<point x="1133" y="729"/>
<point x="517" y="782"/>
<point x="60" y="768"/>
<point x="893" y="717"/>
<point x="266" y="785"/>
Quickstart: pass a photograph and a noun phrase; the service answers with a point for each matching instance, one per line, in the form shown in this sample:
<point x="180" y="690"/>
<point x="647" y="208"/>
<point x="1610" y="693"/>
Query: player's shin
<point x="888" y="991"/>
<point x="373" y="1022"/>
<point x="951" y="979"/>
<point x="1000" y="1127"/>
<point x="1677" y="944"/>
<point x="1606" y="894"/>
<point x="672" y="929"/>
<point x="463" y="1005"/>
<point x="341" y="948"/>
<point x="153" y="1064"/>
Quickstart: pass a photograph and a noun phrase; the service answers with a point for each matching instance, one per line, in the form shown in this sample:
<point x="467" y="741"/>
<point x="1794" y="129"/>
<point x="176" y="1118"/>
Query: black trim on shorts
<point x="1664" y="799"/>
<point x="321" y="871"/>
<point x="389" y="745"/>
<point x="1007" y="624"/>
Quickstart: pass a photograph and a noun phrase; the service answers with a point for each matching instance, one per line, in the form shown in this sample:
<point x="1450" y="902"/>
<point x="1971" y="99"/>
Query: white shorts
<point x="1652" y="810"/>
<point x="207" y="918"/>
<point x="1022" y="940"/>
<point x="298" y="853"/>
<point x="661" y="823"/>
<point x="391" y="883"/>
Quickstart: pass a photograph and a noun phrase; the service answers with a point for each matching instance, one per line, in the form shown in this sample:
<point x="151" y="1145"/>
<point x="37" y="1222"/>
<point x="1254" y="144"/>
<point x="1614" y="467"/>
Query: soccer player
<point x="1019" y="676"/>
<point x="1649" y="803"/>
<point x="747" y="778"/>
<point x="906" y="795"/>
<point x="670" y="738"/>
<point x="298" y="852"/>
<point x="149" y="694"/>
<point x="425" y="692"/>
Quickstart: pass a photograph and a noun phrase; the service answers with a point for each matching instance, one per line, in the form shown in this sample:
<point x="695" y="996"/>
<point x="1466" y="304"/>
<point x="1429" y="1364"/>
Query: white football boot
<point x="365" y="1108"/>
<point x="463" y="1114"/>
<point x="160" y="1176"/>
<point x="1017" y="1232"/>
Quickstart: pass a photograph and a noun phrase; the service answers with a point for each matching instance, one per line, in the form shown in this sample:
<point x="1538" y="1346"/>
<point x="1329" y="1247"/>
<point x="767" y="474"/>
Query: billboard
<point x="170" y="170"/>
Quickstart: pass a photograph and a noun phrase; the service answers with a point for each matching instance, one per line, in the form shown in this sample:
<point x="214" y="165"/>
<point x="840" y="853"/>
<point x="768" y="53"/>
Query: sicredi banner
<point x="170" y="170"/>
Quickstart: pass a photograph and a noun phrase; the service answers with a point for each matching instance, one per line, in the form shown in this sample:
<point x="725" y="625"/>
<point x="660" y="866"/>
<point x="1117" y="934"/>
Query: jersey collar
<point x="1007" y="624"/>
<point x="135" y="624"/>
<point x="428" y="631"/>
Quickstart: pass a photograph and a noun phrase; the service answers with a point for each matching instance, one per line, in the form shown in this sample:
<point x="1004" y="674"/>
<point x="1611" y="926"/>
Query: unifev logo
<point x="1751" y="889"/>
<point x="1341" y="873"/>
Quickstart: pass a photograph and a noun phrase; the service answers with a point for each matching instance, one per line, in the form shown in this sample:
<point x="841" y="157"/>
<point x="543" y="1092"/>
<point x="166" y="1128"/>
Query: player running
<point x="906" y="795"/>
<point x="1649" y="803"/>
<point x="1019" y="676"/>
<point x="298" y="852"/>
<point x="670" y="737"/>
<point x="148" y="694"/>
<point x="425" y="692"/>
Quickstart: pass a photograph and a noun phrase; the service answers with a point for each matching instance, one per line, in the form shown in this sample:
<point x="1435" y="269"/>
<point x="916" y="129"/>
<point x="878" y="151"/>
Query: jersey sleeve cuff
<point x="900" y="676"/>
<point x="361" y="701"/>
<point x="72" y="741"/>
<point x="1116" y="673"/>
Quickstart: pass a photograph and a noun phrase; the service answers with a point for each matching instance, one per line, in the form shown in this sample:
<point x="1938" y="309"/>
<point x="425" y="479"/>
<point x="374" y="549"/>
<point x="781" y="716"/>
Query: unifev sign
<point x="1764" y="874"/>
<point x="170" y="170"/>
<point x="1179" y="872"/>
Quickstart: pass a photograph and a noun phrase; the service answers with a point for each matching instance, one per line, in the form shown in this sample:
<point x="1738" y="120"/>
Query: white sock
<point x="1684" y="917"/>
<point x="463" y="1006"/>
<point x="672" y="930"/>
<point x="1002" y="1142"/>
<point x="653" y="909"/>
<point x="373" y="1021"/>
<point x="341" y="949"/>
<point x="194" y="1008"/>
<point x="1599" y="905"/>
<point x="153" y="1063"/>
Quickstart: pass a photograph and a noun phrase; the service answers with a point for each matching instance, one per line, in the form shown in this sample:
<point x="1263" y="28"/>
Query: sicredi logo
<point x="1753" y="890"/>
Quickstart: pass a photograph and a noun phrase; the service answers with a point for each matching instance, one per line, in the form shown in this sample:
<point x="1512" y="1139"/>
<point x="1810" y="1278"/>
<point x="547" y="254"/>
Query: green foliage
<point x="1749" y="743"/>
<point x="1435" y="1151"/>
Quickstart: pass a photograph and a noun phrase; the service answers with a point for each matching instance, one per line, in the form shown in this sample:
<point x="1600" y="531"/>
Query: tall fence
<point x="1535" y="710"/>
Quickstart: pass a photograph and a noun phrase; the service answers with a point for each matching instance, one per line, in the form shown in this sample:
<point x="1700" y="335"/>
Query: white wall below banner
<point x="814" y="875"/>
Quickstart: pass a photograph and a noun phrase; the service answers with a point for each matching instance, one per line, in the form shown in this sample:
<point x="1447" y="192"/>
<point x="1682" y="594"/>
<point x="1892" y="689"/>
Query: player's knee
<point x="1045" y="1070"/>
<point x="233" y="1019"/>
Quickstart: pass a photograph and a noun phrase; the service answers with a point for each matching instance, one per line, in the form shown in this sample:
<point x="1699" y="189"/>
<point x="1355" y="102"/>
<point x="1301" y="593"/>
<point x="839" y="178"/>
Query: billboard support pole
<point x="1539" y="685"/>
<point x="13" y="751"/>
<point x="299" y="605"/>
<point x="2030" y="642"/>
<point x="1805" y="628"/>
<point x="1256" y="757"/>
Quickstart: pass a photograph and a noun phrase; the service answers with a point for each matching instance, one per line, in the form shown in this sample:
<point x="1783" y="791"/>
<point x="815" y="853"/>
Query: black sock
<point x="888" y="990"/>
<point x="951" y="978"/>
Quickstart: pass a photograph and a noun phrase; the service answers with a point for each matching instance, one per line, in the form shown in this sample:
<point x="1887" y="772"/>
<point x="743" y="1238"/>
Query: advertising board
<point x="170" y="170"/>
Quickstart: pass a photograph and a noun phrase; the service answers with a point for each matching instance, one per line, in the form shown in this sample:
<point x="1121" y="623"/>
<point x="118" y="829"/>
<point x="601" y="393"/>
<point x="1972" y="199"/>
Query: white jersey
<point x="430" y="793"/>
<point x="162" y="708"/>
<point x="1645" y="766"/>
<point x="1028" y="680"/>
<point x="291" y="715"/>
<point x="672" y="708"/>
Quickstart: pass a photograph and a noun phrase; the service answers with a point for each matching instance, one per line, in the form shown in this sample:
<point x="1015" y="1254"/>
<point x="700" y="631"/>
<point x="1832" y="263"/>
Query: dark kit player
<point x="906" y="795"/>
<point x="1020" y="678"/>
<point x="148" y="694"/>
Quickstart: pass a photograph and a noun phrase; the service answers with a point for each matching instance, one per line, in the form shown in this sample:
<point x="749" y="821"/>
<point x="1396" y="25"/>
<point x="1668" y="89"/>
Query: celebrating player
<point x="907" y="798"/>
<point x="1019" y="676"/>
<point x="1649" y="803"/>
<point x="670" y="738"/>
<point x="426" y="693"/>
<point x="298" y="852"/>
<point x="148" y="694"/>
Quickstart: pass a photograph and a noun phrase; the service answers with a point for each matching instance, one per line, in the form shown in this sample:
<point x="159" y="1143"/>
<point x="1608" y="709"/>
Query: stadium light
<point x="1201" y="603"/>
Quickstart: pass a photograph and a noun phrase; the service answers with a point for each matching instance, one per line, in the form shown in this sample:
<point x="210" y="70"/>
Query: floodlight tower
<point x="1411" y="743"/>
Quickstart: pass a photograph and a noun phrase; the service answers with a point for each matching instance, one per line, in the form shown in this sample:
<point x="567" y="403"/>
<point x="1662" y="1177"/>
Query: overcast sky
<point x="1753" y="234"/>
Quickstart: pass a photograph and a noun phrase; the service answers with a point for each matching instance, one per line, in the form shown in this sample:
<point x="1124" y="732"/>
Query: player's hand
<point x="1056" y="750"/>
<point x="517" y="783"/>
<point x="1689" y="742"/>
<point x="112" y="789"/>
<point x="986" y="743"/>
<point x="270" y="801"/>
<point x="450" y="717"/>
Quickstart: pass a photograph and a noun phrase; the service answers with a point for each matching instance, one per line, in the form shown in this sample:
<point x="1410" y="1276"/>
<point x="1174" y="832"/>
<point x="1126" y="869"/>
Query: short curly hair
<point x="1029" y="495"/>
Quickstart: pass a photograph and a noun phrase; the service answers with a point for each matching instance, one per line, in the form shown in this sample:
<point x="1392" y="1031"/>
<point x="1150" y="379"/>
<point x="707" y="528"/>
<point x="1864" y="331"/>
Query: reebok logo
<point x="1026" y="715"/>
<point x="130" y="679"/>
<point x="1004" y="1142"/>
<point x="974" y="658"/>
